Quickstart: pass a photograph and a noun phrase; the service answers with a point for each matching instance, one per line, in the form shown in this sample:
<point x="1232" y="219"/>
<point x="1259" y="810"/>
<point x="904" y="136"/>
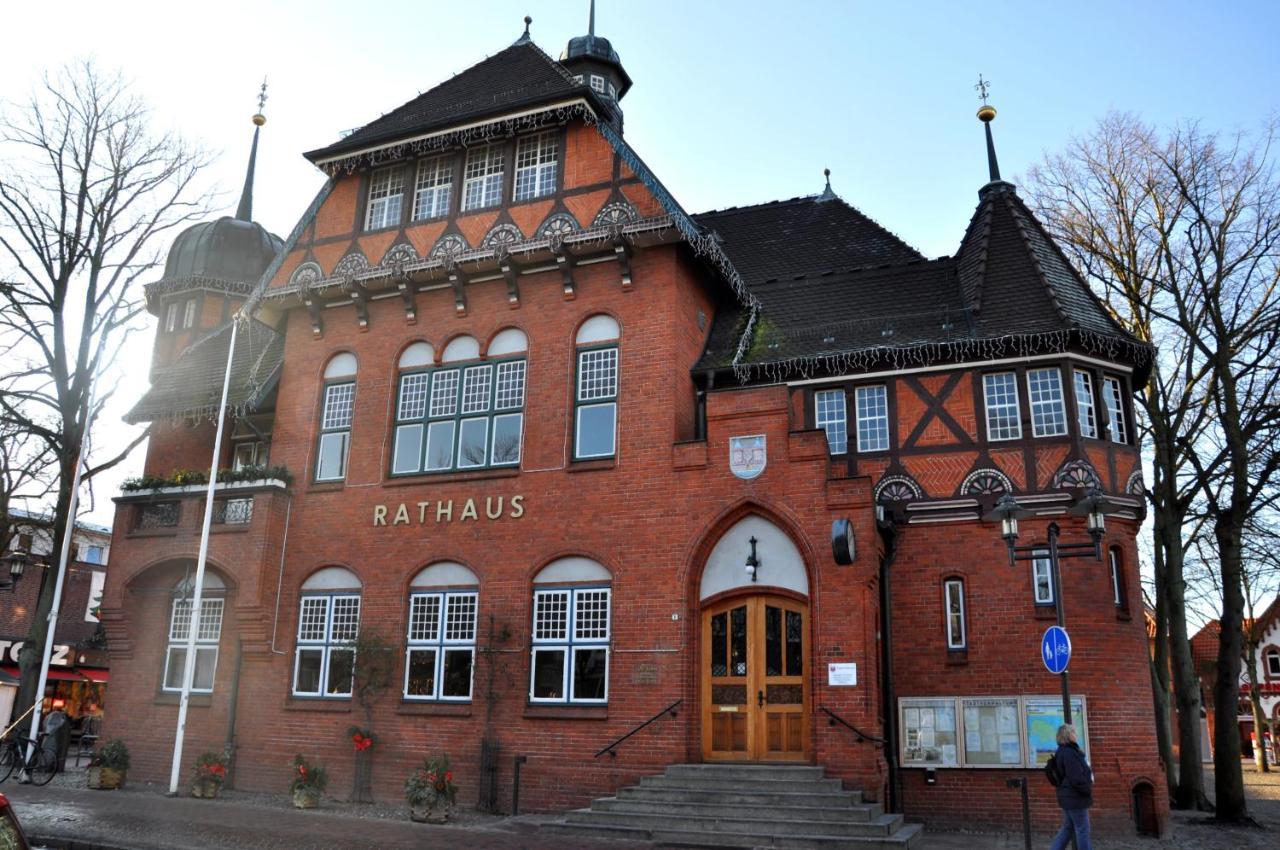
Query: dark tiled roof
<point x="802" y="236"/>
<point x="521" y="75"/>
<point x="192" y="386"/>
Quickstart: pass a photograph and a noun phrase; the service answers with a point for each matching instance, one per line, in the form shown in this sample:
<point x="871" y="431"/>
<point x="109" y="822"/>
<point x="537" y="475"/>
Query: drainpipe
<point x="890" y="536"/>
<point x="229" y="748"/>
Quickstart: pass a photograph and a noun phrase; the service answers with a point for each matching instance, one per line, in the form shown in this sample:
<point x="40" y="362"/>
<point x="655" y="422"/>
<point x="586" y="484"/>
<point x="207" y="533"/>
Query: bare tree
<point x="24" y="475"/>
<point x="87" y="194"/>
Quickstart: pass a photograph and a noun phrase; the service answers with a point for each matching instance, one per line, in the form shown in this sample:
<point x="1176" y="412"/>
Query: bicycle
<point x="40" y="767"/>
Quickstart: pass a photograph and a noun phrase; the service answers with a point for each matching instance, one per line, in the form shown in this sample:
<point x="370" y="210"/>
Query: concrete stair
<point x="737" y="805"/>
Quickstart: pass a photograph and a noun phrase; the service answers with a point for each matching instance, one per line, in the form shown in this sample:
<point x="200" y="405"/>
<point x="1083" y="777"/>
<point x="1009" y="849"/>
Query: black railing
<point x="612" y="749"/>
<point x="833" y="719"/>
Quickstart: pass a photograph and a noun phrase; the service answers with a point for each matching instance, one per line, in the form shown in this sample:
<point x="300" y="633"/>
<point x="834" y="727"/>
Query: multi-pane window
<point x="1113" y="396"/>
<point x="1048" y="413"/>
<point x="1085" y="413"/>
<point x="829" y="415"/>
<point x="570" y="645"/>
<point x="189" y="313"/>
<point x="171" y="317"/>
<point x="249" y="454"/>
<point x="537" y="158"/>
<point x="335" y="431"/>
<point x="953" y="598"/>
<point x="596" y="404"/>
<point x="1042" y="578"/>
<point x="1001" y="394"/>
<point x="386" y="194"/>
<point x="327" y="629"/>
<point x="460" y="418"/>
<point x="872" y="407"/>
<point x="482" y="179"/>
<point x="597" y="83"/>
<point x="207" y="636"/>
<point x="442" y="646"/>
<point x="434" y="188"/>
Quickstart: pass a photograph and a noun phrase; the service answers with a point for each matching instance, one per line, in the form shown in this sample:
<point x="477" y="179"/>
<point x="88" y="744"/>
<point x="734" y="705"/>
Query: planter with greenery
<point x="196" y="477"/>
<point x="211" y="772"/>
<point x="309" y="782"/>
<point x="430" y="791"/>
<point x="109" y="765"/>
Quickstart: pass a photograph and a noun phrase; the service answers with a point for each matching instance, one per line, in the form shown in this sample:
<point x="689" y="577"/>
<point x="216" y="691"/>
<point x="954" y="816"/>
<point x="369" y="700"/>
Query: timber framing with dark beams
<point x="510" y="272"/>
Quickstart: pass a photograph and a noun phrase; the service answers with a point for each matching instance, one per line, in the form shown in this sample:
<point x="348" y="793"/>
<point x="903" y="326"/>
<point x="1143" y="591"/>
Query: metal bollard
<point x="1021" y="782"/>
<point x="515" y="784"/>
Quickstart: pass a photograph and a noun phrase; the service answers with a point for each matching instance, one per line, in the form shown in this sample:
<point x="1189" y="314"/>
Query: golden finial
<point x="986" y="112"/>
<point x="259" y="119"/>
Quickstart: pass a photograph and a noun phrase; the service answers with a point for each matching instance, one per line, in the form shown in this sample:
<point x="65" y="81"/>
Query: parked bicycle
<point x="40" y="766"/>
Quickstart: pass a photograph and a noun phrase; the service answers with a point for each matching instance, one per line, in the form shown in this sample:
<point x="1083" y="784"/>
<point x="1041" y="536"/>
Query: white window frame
<point x="954" y="640"/>
<point x="1113" y="396"/>
<point x="335" y="427"/>
<point x="325" y="645"/>
<point x="537" y="166"/>
<point x="1086" y="410"/>
<point x="433" y="188"/>
<point x="189" y="313"/>
<point x="1272" y="659"/>
<point x="440" y="643"/>
<point x="1041" y="563"/>
<point x="998" y="406"/>
<point x="1113" y="557"/>
<point x="212" y="609"/>
<point x="863" y="396"/>
<point x="830" y="413"/>
<point x="171" y="317"/>
<point x="484" y="171"/>
<point x="597" y="83"/>
<point x="1044" y="405"/>
<point x="570" y="643"/>
<point x="593" y="397"/>
<point x="386" y="198"/>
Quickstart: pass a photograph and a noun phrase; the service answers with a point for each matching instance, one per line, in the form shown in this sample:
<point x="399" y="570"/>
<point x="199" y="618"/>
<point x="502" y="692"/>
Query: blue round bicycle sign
<point x="1055" y="649"/>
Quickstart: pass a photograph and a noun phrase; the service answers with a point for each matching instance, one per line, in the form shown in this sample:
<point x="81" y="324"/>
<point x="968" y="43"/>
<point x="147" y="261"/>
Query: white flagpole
<point x="197" y="598"/>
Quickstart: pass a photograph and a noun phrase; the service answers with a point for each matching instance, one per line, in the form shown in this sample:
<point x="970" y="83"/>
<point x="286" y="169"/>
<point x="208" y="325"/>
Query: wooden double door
<point x="755" y="682"/>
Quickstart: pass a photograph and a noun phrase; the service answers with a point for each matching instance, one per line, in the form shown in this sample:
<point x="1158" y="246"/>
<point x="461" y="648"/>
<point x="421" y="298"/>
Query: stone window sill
<point x="427" y="478"/>
<point x="592" y="465"/>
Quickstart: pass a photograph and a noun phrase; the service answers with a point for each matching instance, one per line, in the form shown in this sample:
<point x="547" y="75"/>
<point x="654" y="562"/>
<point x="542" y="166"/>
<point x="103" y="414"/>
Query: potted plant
<point x="309" y="782"/>
<point x="211" y="772"/>
<point x="430" y="791"/>
<point x="109" y="765"/>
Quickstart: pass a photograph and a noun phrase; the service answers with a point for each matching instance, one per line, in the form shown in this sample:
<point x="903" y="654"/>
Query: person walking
<point x="1075" y="791"/>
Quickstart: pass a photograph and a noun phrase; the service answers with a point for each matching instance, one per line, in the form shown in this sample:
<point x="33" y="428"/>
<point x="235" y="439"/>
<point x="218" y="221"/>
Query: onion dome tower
<point x="212" y="267"/>
<point x="593" y="62"/>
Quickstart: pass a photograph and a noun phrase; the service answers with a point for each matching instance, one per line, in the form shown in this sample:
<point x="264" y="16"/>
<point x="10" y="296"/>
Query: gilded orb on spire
<point x="258" y="118"/>
<point x="986" y="112"/>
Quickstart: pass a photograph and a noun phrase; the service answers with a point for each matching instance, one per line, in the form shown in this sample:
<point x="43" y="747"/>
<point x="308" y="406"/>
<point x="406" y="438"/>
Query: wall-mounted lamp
<point x="930" y="777"/>
<point x="753" y="563"/>
<point x="15" y="564"/>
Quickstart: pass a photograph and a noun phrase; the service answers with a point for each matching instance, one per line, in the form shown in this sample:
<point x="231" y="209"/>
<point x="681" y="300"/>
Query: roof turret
<point x="591" y="54"/>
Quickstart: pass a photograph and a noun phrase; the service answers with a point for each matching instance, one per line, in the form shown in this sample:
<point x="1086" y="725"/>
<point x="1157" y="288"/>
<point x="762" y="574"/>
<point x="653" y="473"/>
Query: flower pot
<point x="306" y="798"/>
<point x="105" y="778"/>
<point x="435" y="812"/>
<point x="205" y="789"/>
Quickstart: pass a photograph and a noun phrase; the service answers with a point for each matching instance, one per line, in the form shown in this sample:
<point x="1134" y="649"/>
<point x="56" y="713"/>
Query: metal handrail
<point x="612" y="748"/>
<point x="862" y="736"/>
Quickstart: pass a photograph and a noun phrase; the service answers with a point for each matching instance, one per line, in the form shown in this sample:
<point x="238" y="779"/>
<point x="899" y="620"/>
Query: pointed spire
<point x="986" y="114"/>
<point x="525" y="38"/>
<point x="591" y="22"/>
<point x="244" y="212"/>
<point x="827" y="194"/>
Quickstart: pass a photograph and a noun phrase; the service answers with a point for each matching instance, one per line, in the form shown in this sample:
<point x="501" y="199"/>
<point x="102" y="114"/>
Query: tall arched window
<point x="570" y="655"/>
<point x="595" y="410"/>
<point x="207" y="636"/>
<point x="440" y="658"/>
<point x="328" y="623"/>
<point x="335" y="417"/>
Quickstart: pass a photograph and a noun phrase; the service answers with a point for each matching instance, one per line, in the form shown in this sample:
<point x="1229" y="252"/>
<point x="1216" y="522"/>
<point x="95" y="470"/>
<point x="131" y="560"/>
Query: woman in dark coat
<point x="1075" y="791"/>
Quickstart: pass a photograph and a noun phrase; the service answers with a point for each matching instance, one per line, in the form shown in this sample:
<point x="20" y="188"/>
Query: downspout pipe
<point x="889" y="534"/>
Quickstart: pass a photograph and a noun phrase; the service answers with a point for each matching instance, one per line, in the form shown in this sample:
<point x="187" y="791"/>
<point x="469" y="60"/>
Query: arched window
<point x="954" y="608"/>
<point x="441" y="650"/>
<point x="570" y="654"/>
<point x="328" y="623"/>
<point x="465" y="414"/>
<point x="207" y="635"/>
<point x="335" y="417"/>
<point x="1271" y="663"/>
<point x="595" y="412"/>
<point x="1117" y="577"/>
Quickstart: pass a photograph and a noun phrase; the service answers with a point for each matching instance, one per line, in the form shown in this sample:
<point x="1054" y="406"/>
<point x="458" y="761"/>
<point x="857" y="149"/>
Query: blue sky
<point x="734" y="102"/>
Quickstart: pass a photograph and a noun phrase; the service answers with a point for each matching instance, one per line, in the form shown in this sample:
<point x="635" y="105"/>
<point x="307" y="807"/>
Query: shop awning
<point x="60" y="674"/>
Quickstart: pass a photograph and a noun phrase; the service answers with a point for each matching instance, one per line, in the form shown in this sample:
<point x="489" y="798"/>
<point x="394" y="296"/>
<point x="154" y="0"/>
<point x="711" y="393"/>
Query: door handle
<point x="760" y="699"/>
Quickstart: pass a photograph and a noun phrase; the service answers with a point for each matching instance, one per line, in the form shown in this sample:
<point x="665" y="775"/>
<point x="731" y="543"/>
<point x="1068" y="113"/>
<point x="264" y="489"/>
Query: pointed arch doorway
<point x="754" y="664"/>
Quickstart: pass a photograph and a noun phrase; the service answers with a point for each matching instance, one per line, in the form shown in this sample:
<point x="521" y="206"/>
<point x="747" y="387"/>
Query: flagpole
<point x="197" y="598"/>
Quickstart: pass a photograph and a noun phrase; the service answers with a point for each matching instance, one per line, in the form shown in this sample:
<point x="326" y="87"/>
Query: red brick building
<point x="581" y="456"/>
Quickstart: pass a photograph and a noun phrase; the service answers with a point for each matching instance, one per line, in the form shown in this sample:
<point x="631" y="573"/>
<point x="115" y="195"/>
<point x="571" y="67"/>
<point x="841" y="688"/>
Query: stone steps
<point x="719" y="805"/>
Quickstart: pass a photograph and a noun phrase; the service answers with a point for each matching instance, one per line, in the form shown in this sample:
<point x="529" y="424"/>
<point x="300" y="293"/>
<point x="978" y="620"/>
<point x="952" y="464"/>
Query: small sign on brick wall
<point x="842" y="675"/>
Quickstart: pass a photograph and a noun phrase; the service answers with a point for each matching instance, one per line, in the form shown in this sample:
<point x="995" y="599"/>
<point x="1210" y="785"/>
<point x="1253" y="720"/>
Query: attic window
<point x="386" y="192"/>
<point x="597" y="83"/>
<point x="536" y="160"/>
<point x="577" y="78"/>
<point x="482" y="184"/>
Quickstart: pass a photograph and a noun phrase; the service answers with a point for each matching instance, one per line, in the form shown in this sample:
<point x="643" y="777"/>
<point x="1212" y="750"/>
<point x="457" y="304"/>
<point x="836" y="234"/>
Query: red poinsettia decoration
<point x="362" y="739"/>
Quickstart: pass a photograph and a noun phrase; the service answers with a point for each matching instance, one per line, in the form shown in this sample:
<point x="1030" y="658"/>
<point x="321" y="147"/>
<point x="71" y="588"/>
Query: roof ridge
<point x="776" y="202"/>
<point x="984" y="248"/>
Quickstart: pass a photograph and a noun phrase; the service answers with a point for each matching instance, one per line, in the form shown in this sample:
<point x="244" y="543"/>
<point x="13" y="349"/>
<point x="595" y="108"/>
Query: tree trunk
<point x="1255" y="702"/>
<point x="1160" y="674"/>
<point x="1228" y="776"/>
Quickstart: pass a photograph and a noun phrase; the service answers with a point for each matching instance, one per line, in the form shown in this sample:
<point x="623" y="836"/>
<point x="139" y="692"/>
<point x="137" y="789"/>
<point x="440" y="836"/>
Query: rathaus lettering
<point x="407" y="513"/>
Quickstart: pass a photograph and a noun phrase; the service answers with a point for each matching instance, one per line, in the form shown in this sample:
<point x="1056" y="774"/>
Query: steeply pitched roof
<point x="521" y="75"/>
<point x="192" y="386"/>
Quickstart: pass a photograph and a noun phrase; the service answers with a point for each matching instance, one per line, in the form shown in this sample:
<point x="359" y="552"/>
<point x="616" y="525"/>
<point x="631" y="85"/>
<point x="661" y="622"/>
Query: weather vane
<point x="262" y="95"/>
<point x="982" y="88"/>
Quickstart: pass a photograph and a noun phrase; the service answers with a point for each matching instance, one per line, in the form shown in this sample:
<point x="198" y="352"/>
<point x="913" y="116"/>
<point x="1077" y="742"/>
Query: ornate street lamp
<point x="15" y="563"/>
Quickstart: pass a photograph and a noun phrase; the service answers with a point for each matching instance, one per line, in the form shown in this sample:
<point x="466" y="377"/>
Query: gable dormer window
<point x="537" y="159"/>
<point x="482" y="182"/>
<point x="386" y="193"/>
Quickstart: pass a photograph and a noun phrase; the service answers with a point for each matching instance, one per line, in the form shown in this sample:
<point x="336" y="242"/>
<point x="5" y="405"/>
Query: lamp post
<point x="1094" y="507"/>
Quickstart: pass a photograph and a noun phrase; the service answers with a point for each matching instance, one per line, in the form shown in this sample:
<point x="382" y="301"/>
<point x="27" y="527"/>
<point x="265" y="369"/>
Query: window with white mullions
<point x="1001" y="395"/>
<point x="207" y="637"/>
<point x="829" y="415"/>
<point x="953" y="598"/>
<point x="1117" y="576"/>
<point x="570" y="660"/>
<point x="482" y="177"/>
<point x="189" y="313"/>
<point x="441" y="648"/>
<point x="1113" y="394"/>
<point x="434" y="188"/>
<point x="335" y="431"/>
<point x="872" y="405"/>
<point x="1048" y="411"/>
<point x="325" y="660"/>
<point x="596" y="399"/>
<point x="537" y="161"/>
<point x="386" y="194"/>
<point x="1086" y="415"/>
<point x="1042" y="578"/>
